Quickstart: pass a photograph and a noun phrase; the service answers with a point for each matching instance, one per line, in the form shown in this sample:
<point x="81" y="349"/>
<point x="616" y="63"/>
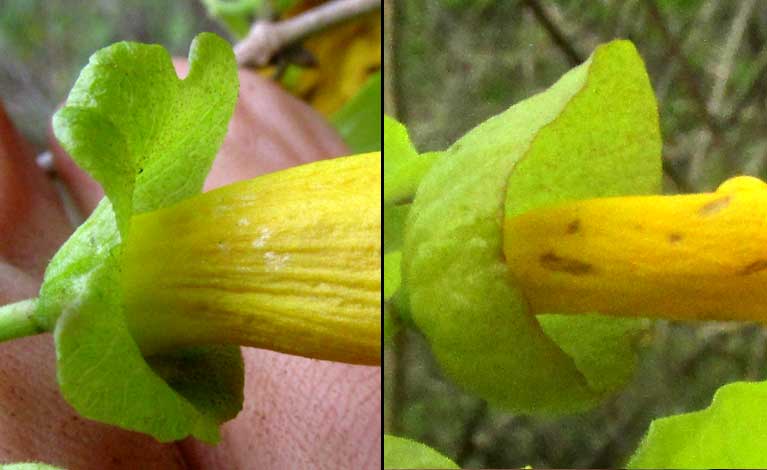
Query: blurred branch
<point x="690" y="75"/>
<point x="389" y="42"/>
<point x="555" y="33"/>
<point x="712" y="134"/>
<point x="758" y="84"/>
<point x="694" y="30"/>
<point x="723" y="68"/>
<point x="691" y="32"/>
<point x="267" y="38"/>
<point x="722" y="73"/>
<point x="624" y="18"/>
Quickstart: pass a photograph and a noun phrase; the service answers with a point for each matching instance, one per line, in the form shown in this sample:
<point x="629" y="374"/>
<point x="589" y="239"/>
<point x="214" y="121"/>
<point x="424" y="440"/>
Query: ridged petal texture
<point x="289" y="261"/>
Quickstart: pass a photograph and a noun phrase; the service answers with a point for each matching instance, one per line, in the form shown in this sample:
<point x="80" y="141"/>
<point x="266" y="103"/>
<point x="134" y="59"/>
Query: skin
<point x="298" y="412"/>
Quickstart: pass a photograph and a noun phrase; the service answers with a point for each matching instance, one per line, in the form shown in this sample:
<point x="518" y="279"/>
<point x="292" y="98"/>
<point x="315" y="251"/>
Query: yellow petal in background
<point x="688" y="257"/>
<point x="347" y="55"/>
<point x="289" y="261"/>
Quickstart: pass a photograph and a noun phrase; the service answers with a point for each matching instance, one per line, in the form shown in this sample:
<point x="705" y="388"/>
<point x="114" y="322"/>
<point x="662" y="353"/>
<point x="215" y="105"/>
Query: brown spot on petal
<point x="554" y="262"/>
<point x="573" y="227"/>
<point x="675" y="237"/>
<point x="714" y="206"/>
<point x="756" y="266"/>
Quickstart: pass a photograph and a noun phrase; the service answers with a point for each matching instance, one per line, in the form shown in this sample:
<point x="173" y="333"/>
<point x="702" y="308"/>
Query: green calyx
<point x="404" y="168"/>
<point x="149" y="138"/>
<point x="593" y="133"/>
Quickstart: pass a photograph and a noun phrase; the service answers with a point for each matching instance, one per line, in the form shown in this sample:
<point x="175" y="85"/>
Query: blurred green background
<point x="450" y="64"/>
<point x="45" y="43"/>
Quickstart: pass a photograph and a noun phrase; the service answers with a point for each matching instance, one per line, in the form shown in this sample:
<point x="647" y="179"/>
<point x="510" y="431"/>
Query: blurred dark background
<point x="450" y="64"/>
<point x="45" y="43"/>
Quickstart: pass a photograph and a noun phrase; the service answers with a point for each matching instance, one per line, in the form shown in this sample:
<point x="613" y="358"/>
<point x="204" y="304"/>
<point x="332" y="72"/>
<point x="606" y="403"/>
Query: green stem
<point x="16" y="320"/>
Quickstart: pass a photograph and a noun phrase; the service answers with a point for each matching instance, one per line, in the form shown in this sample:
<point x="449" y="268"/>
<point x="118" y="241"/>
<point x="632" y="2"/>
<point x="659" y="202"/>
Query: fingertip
<point x="32" y="220"/>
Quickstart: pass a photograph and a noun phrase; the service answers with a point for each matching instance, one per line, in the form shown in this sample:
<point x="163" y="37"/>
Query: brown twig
<point x="266" y="38"/>
<point x="555" y="33"/>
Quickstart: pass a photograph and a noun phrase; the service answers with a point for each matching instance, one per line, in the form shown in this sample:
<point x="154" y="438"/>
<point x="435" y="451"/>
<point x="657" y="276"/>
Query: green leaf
<point x="359" y="120"/>
<point x="404" y="453"/>
<point x="282" y="5"/>
<point x="459" y="292"/>
<point x="149" y="139"/>
<point x="728" y="434"/>
<point x="147" y="136"/>
<point x="236" y="15"/>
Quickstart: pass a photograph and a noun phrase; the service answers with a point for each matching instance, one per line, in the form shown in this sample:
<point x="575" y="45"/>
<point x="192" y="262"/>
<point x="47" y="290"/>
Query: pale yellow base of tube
<point x="689" y="257"/>
<point x="289" y="261"/>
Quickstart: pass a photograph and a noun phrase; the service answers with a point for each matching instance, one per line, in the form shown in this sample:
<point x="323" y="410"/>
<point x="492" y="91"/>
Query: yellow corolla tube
<point x="289" y="261"/>
<point x="686" y="257"/>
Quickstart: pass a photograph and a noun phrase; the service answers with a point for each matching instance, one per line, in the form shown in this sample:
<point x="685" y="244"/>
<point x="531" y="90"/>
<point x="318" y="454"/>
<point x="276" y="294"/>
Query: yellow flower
<point x="289" y="261"/>
<point x="347" y="55"/>
<point x="686" y="257"/>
